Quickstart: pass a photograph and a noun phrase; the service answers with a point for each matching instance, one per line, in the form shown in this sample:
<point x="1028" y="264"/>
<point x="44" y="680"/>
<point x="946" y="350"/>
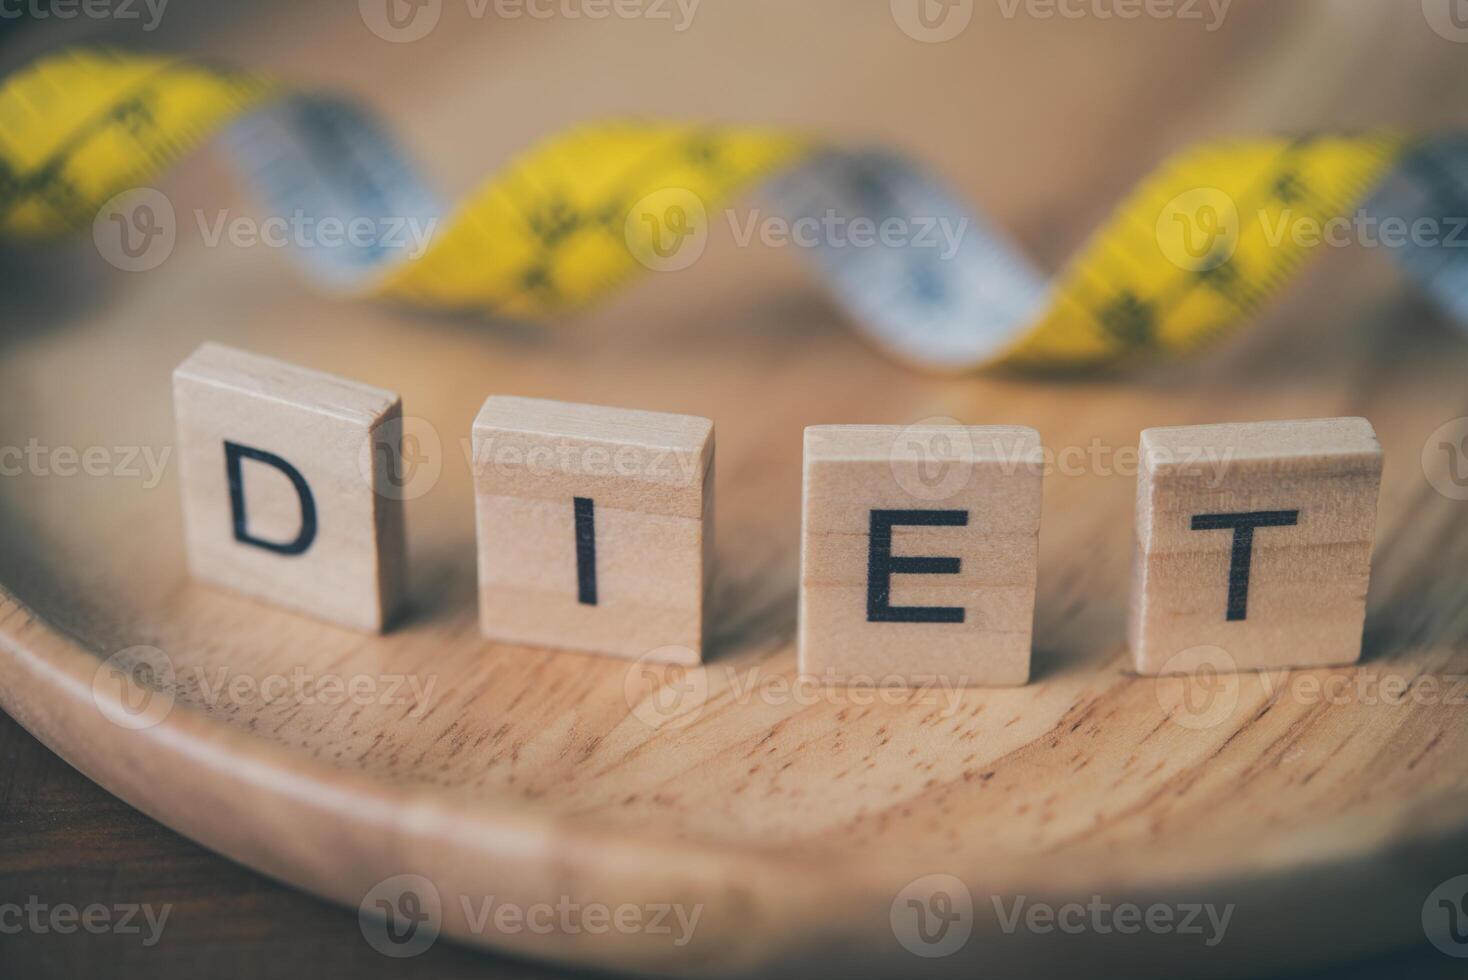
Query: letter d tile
<point x="285" y="476"/>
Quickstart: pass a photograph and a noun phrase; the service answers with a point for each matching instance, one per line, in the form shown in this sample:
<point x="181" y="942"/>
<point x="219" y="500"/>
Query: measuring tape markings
<point x="1186" y="257"/>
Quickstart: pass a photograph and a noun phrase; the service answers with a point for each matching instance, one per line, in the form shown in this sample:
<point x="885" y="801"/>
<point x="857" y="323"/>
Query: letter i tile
<point x="595" y="527"/>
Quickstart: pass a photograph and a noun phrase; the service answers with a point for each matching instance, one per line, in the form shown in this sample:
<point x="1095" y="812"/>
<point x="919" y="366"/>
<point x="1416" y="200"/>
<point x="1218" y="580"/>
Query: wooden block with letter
<point x="918" y="556"/>
<point x="595" y="527"/>
<point x="1253" y="539"/>
<point x="287" y="483"/>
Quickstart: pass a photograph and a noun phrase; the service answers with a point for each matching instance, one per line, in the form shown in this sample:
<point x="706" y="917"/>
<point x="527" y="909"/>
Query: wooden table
<point x="68" y="841"/>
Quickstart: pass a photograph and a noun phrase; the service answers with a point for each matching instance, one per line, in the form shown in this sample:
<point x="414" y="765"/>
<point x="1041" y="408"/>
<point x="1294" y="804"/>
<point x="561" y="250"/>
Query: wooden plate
<point x="792" y="818"/>
<point x="1322" y="806"/>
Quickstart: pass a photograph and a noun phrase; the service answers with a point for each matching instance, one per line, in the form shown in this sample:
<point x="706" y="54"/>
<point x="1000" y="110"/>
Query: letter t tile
<point x="1253" y="545"/>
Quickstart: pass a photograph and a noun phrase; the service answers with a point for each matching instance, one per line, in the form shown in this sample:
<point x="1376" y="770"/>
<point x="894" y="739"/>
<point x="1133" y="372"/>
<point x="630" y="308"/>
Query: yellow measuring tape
<point x="1198" y="247"/>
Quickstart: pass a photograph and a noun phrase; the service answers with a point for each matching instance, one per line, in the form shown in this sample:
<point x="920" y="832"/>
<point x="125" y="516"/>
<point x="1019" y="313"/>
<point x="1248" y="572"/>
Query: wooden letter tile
<point x="1254" y="539"/>
<point x="285" y="477"/>
<point x="595" y="527"/>
<point x="918" y="554"/>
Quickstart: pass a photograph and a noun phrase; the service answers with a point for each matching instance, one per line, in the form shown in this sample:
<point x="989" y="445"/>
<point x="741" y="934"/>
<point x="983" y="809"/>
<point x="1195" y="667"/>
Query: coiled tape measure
<point x="1196" y="248"/>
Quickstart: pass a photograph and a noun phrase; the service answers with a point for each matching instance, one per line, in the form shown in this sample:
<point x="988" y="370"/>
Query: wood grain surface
<point x="795" y="822"/>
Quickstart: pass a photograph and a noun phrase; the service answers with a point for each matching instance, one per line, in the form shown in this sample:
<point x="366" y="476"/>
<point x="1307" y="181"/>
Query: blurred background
<point x="1041" y="115"/>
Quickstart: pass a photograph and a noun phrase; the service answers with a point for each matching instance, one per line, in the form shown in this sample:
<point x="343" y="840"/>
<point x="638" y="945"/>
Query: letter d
<point x="233" y="454"/>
